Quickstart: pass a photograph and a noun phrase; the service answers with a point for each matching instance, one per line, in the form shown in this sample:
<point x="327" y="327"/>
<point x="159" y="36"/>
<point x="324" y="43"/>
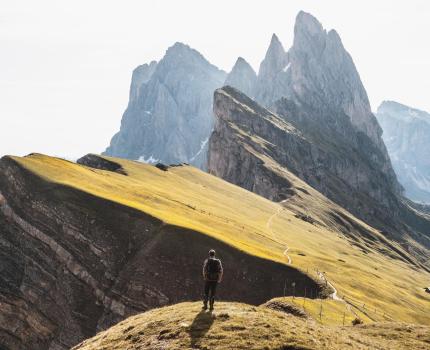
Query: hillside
<point x="83" y="248"/>
<point x="241" y="326"/>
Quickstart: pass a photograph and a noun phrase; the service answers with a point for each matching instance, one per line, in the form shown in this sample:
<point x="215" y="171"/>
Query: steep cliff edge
<point x="260" y="151"/>
<point x="316" y="89"/>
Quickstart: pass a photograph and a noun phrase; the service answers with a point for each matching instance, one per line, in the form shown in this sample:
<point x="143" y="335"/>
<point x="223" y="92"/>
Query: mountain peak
<point x="242" y="77"/>
<point x="179" y="48"/>
<point x="275" y="47"/>
<point x="275" y="58"/>
<point x="306" y="22"/>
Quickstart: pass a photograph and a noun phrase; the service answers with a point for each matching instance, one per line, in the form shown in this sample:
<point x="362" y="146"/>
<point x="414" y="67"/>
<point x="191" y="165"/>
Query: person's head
<point x="211" y="253"/>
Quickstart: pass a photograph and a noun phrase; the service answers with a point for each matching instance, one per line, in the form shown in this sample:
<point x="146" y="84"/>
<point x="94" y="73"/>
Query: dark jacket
<point x="221" y="271"/>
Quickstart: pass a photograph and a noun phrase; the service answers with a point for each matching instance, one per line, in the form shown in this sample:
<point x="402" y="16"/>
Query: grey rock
<point x="406" y="132"/>
<point x="242" y="77"/>
<point x="321" y="68"/>
<point x="140" y="76"/>
<point x="273" y="75"/>
<point x="317" y="70"/>
<point x="169" y="116"/>
<point x="254" y="148"/>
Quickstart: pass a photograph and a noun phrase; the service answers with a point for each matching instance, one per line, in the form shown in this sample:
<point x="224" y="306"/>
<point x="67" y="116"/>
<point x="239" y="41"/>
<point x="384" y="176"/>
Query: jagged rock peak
<point x="275" y="44"/>
<point x="275" y="60"/>
<point x="180" y="52"/>
<point x="141" y="75"/>
<point x="174" y="105"/>
<point x="325" y="74"/>
<point x="242" y="77"/>
<point x="306" y="22"/>
<point x="241" y="63"/>
<point x="272" y="81"/>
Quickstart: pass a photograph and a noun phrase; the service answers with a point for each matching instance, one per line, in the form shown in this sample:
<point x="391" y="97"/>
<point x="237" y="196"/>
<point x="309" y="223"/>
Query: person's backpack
<point x="213" y="269"/>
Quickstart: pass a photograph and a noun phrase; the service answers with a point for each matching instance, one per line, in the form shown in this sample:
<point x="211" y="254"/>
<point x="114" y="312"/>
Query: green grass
<point x="378" y="286"/>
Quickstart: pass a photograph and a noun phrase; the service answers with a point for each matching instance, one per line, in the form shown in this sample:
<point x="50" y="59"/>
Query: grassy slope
<point x="188" y="197"/>
<point x="241" y="326"/>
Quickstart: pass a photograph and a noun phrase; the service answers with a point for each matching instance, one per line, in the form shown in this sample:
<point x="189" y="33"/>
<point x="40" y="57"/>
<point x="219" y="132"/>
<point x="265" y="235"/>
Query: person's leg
<point x="206" y="295"/>
<point x="212" y="294"/>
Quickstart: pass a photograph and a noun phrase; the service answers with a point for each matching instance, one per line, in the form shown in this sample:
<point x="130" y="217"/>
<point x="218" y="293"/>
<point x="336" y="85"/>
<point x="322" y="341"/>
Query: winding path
<point x="333" y="295"/>
<point x="269" y="227"/>
<point x="320" y="274"/>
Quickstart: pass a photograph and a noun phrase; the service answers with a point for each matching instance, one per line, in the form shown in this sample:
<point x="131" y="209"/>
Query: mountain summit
<point x="242" y="77"/>
<point x="169" y="116"/>
<point x="323" y="72"/>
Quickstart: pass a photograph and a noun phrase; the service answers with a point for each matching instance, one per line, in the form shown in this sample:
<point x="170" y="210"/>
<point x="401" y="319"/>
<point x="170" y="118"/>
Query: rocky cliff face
<point x="169" y="116"/>
<point x="273" y="76"/>
<point x="242" y="77"/>
<point x="316" y="88"/>
<point x="323" y="73"/>
<point x="254" y="148"/>
<point x="406" y="132"/>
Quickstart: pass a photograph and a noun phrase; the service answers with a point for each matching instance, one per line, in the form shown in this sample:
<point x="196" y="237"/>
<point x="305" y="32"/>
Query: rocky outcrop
<point x="97" y="162"/>
<point x="316" y="88"/>
<point x="260" y="151"/>
<point x="169" y="115"/>
<point x="323" y="73"/>
<point x="73" y="263"/>
<point x="318" y="71"/>
<point x="242" y="77"/>
<point x="273" y="76"/>
<point x="406" y="132"/>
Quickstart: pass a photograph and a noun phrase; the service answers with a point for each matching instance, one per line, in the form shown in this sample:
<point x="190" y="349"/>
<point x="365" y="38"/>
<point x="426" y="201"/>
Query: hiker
<point x="212" y="274"/>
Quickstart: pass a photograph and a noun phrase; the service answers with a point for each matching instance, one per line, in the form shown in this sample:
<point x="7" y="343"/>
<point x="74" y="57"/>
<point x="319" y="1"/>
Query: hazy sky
<point x="65" y="66"/>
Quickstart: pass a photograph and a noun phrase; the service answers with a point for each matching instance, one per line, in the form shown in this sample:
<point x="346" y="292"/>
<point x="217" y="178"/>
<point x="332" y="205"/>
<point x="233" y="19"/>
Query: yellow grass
<point x="375" y="284"/>
<point x="240" y="326"/>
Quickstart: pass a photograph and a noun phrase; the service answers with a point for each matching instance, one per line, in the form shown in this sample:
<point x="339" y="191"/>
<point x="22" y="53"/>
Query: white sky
<point x="65" y="66"/>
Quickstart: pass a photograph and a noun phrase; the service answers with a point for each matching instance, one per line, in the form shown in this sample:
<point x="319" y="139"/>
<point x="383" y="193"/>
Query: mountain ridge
<point x="84" y="247"/>
<point x="406" y="134"/>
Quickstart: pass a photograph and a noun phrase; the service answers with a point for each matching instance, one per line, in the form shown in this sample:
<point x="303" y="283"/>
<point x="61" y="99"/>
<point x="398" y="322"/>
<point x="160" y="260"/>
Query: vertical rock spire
<point x="242" y="77"/>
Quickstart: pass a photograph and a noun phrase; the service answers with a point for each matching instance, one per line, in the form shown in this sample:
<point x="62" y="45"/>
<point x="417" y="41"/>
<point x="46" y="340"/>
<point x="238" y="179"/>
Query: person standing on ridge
<point x="212" y="274"/>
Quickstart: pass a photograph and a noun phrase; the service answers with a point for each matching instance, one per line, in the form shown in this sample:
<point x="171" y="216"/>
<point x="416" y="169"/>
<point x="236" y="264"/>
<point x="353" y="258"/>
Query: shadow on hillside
<point x="200" y="326"/>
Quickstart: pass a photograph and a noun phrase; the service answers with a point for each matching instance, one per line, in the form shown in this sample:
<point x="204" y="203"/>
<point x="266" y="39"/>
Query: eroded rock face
<point x="72" y="264"/>
<point x="255" y="149"/>
<point x="318" y="71"/>
<point x="242" y="77"/>
<point x="273" y="76"/>
<point x="169" y="116"/>
<point x="407" y="136"/>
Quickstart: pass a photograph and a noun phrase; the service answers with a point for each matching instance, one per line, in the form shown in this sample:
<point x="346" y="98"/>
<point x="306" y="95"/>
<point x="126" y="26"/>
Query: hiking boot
<point x="205" y="305"/>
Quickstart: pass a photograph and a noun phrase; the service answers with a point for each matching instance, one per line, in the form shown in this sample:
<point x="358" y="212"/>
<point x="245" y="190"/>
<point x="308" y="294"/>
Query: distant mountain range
<point x="407" y="136"/>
